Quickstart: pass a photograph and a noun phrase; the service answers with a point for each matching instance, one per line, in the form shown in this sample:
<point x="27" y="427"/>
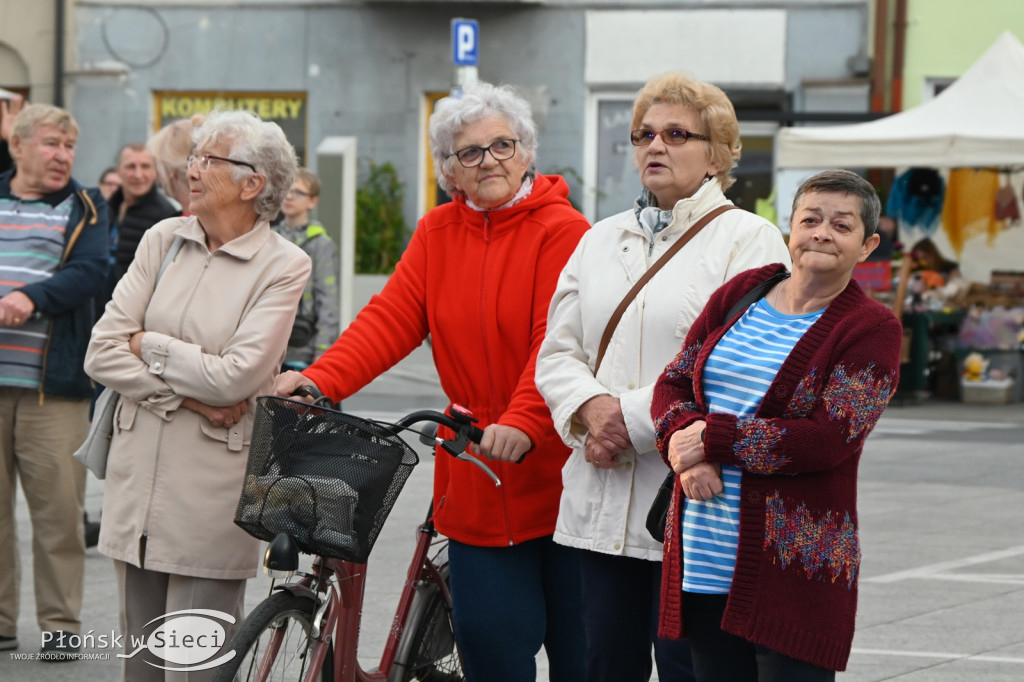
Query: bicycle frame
<point x="341" y="603"/>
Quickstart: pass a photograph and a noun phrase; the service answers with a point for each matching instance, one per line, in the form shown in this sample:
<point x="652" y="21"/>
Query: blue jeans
<point x="508" y="601"/>
<point x="719" y="655"/>
<point x="621" y="596"/>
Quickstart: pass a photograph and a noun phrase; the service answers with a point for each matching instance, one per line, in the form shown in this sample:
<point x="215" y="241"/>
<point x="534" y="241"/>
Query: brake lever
<point x="466" y="457"/>
<point x="469" y="432"/>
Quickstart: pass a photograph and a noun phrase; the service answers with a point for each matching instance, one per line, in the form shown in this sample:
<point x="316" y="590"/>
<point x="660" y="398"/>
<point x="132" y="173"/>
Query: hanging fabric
<point x="916" y="199"/>
<point x="1006" y="203"/>
<point x="970" y="205"/>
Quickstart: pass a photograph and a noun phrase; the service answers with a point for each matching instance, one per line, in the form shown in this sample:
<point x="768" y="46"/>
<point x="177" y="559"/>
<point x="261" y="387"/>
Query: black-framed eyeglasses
<point x="203" y="162"/>
<point x="501" y="150"/>
<point x="672" y="136"/>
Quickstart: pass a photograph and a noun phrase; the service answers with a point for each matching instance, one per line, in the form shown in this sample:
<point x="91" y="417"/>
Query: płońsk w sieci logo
<point x="187" y="639"/>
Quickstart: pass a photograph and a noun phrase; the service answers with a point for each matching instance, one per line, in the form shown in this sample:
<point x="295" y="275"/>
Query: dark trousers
<point x="620" y="617"/>
<point x="509" y="601"/>
<point x="718" y="655"/>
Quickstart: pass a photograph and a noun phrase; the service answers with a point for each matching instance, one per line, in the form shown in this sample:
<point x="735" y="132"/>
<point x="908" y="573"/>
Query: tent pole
<point x="879" y="59"/>
<point x="899" y="41"/>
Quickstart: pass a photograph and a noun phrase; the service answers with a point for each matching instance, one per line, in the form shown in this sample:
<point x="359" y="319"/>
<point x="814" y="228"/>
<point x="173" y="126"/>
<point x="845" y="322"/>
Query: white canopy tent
<point x="977" y="122"/>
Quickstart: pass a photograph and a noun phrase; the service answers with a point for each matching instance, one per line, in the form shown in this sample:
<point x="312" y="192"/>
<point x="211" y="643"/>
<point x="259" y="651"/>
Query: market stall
<point x="972" y="136"/>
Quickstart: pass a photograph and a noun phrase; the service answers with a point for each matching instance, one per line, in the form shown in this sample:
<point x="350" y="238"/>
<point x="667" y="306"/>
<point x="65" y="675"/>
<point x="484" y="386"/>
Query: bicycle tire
<point x="290" y="661"/>
<point x="427" y="650"/>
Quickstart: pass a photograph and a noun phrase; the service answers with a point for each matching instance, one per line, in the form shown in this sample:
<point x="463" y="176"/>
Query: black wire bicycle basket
<point x="326" y="478"/>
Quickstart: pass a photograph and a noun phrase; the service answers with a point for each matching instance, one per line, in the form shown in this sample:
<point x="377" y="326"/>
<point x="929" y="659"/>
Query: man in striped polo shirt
<point x="53" y="260"/>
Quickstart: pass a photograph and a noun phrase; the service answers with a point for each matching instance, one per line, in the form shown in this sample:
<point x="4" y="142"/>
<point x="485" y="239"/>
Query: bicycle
<point x="309" y="630"/>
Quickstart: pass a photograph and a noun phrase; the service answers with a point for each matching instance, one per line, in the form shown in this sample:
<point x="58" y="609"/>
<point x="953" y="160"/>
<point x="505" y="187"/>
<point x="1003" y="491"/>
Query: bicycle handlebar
<point x="473" y="433"/>
<point x="459" y="420"/>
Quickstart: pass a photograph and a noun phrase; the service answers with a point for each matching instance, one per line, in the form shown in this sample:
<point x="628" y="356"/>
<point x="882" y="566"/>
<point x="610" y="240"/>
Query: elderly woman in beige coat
<point x="189" y="349"/>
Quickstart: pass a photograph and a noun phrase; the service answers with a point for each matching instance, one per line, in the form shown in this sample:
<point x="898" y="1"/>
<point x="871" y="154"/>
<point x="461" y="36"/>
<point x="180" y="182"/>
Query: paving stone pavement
<point x="941" y="509"/>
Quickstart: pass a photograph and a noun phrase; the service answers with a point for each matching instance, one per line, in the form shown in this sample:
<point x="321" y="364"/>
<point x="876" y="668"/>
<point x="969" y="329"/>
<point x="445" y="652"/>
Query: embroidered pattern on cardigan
<point x="858" y="397"/>
<point x="665" y="420"/>
<point x="821" y="545"/>
<point x="804" y="398"/>
<point x="683" y="363"/>
<point x="757" y="445"/>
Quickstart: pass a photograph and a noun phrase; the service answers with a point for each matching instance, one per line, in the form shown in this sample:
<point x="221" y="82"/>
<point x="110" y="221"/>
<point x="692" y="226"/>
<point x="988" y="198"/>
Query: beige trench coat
<point x="217" y="329"/>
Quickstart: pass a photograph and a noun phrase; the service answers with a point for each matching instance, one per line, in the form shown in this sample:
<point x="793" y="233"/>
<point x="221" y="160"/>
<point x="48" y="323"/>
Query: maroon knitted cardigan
<point x="794" y="589"/>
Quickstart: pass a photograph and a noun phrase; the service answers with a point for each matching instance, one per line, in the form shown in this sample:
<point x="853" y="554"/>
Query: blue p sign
<point x="465" y="42"/>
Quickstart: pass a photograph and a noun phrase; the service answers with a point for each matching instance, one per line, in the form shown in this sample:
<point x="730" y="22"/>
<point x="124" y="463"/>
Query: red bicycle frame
<point x="338" y="617"/>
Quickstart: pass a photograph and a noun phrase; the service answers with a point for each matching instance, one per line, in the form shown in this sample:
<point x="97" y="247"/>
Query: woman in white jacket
<point x="686" y="140"/>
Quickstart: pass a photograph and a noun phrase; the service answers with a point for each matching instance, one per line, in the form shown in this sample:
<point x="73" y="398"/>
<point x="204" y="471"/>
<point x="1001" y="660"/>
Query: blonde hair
<point x="170" y="147"/>
<point x="34" y="115"/>
<point x="712" y="106"/>
<point x="311" y="180"/>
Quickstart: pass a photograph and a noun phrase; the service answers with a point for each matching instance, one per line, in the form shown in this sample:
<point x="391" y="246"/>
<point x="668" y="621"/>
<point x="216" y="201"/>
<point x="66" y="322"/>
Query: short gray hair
<point x="851" y="184"/>
<point x="261" y="143"/>
<point x="479" y="100"/>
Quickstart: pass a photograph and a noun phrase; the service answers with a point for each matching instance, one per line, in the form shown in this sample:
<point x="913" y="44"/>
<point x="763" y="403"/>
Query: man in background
<point x="137" y="206"/>
<point x="53" y="261"/>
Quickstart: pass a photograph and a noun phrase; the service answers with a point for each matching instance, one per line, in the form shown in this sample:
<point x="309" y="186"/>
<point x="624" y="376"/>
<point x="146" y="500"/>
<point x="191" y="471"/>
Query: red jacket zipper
<point x="482" y="316"/>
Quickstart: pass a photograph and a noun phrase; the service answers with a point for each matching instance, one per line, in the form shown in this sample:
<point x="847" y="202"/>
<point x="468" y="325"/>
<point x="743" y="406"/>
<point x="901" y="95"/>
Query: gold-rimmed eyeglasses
<point x="672" y="136"/>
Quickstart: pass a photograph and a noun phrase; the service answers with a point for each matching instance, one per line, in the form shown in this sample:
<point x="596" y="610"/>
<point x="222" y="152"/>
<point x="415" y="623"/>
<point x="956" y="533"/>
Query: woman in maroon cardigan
<point x="773" y="450"/>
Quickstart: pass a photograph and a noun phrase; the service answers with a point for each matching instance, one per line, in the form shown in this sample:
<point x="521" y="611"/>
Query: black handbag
<point x="657" y="516"/>
<point x="303" y="330"/>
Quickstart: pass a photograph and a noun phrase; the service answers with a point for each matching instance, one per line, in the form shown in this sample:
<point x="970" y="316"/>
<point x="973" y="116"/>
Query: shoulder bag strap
<point x="169" y="258"/>
<point x="656" y="517"/>
<point x="755" y="294"/>
<point x="613" y="322"/>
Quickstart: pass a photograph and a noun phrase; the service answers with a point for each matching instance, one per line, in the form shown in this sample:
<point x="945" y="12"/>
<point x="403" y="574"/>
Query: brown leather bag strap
<point x="609" y="330"/>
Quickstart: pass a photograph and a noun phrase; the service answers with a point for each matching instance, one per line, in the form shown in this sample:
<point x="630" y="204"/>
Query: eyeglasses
<point x="297" y="193"/>
<point x="671" y="136"/>
<point x="501" y="150"/>
<point x="203" y="162"/>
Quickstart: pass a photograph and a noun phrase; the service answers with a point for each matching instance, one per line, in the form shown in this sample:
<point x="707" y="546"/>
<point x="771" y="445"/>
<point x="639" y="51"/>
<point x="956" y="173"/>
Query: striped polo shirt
<point x="737" y="375"/>
<point x="32" y="234"/>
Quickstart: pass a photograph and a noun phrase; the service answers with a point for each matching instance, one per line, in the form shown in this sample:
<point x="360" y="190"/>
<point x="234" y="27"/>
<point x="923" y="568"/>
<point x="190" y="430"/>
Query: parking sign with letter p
<point x="465" y="42"/>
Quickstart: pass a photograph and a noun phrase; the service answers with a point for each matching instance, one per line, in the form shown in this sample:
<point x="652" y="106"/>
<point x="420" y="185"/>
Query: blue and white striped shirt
<point x="737" y="375"/>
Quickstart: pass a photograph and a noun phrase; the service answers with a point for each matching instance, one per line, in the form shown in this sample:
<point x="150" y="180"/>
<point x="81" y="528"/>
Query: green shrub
<point x="381" y="232"/>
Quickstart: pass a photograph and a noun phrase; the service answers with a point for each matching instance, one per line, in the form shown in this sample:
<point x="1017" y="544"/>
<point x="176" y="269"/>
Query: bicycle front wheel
<point x="427" y="651"/>
<point x="274" y="644"/>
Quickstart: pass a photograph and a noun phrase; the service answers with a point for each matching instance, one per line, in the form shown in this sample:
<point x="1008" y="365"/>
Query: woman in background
<point x="171" y="147"/>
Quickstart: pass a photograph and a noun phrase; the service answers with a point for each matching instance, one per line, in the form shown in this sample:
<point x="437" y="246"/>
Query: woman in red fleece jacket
<point x="763" y="417"/>
<point x="478" y="276"/>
